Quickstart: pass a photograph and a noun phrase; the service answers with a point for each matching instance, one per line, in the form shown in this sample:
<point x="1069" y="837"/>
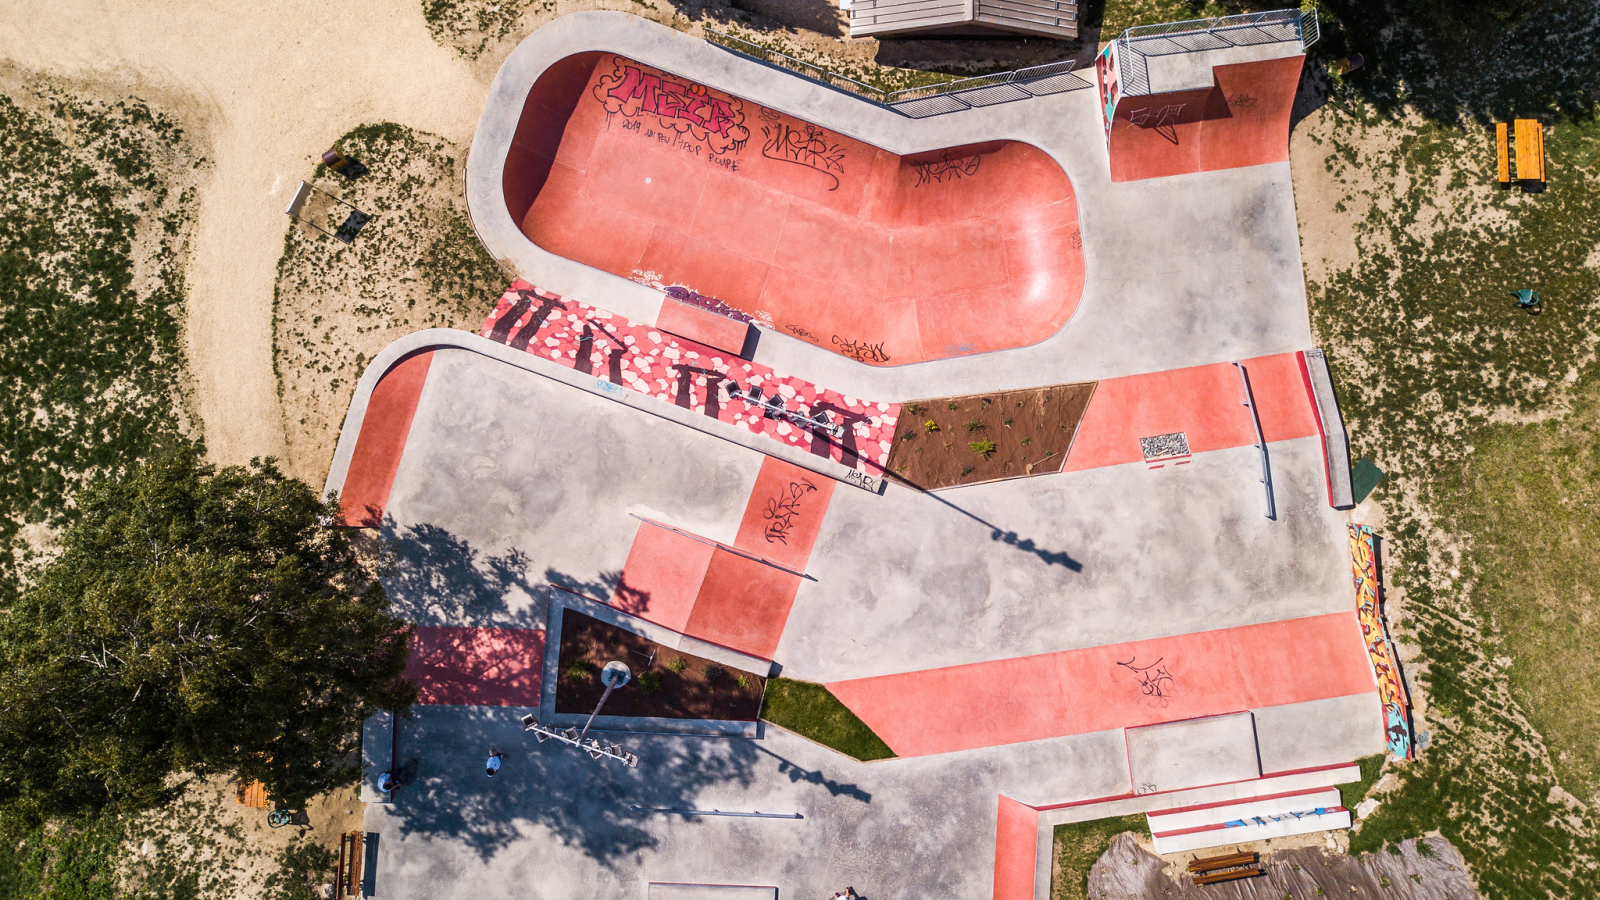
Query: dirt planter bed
<point x="666" y="683"/>
<point x="951" y="441"/>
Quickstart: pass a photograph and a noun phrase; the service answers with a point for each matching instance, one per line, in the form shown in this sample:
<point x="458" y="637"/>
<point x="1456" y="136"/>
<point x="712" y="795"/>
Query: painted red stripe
<point x="1236" y="801"/>
<point x="477" y="666"/>
<point x="1079" y="691"/>
<point x="382" y="441"/>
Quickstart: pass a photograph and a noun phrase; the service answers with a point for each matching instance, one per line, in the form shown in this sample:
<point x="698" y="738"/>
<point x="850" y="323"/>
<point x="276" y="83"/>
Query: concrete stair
<point x="1272" y="815"/>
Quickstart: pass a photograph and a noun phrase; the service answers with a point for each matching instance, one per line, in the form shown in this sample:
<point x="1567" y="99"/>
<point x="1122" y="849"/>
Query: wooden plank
<point x="1530" y="150"/>
<point x="1502" y="151"/>
<point x="1220" y="877"/>
<point x="358" y="844"/>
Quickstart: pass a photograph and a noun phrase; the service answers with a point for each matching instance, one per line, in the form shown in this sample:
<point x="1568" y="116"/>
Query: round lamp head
<point x="615" y="675"/>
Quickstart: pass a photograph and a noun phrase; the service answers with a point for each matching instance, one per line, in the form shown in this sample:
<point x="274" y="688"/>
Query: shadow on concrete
<point x="1026" y="545"/>
<point x="431" y="574"/>
<point x="585" y="803"/>
<point x="796" y="773"/>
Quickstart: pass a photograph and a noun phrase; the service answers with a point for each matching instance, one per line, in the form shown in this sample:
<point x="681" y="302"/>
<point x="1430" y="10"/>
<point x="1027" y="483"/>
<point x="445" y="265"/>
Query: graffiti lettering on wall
<point x="783" y="509"/>
<point x="1153" y="679"/>
<point x="1380" y="649"/>
<point x="861" y="352"/>
<point x="1242" y="101"/>
<point x="807" y="146"/>
<point x="680" y="106"/>
<point x="1163" y="119"/>
<point x="799" y="332"/>
<point x="946" y="167"/>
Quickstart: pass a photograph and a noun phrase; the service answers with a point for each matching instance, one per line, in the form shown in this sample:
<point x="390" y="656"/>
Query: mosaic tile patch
<point x="1164" y="446"/>
<point x="690" y="375"/>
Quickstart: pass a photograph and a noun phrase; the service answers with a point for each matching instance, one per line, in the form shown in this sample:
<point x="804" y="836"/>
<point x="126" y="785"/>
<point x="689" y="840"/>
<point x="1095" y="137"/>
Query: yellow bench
<point x="1502" y="147"/>
<point x="1530" y="150"/>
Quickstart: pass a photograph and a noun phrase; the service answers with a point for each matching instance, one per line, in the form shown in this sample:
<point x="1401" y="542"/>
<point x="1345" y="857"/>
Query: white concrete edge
<point x="1147" y="803"/>
<point x="453" y="339"/>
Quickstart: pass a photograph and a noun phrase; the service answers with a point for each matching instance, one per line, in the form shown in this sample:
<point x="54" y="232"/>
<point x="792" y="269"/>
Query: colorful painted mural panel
<point x="1380" y="649"/>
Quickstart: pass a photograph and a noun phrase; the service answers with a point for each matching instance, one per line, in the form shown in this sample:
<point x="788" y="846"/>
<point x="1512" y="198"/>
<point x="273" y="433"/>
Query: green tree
<point x="198" y="620"/>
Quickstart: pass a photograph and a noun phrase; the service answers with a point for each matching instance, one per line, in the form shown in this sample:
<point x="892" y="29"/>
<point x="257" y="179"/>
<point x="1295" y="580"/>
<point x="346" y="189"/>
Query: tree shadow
<point x="430" y="573"/>
<point x="585" y="803"/>
<point x="1469" y="60"/>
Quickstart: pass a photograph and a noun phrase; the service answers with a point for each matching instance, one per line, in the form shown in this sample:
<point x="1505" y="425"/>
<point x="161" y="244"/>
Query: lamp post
<point x="613" y="676"/>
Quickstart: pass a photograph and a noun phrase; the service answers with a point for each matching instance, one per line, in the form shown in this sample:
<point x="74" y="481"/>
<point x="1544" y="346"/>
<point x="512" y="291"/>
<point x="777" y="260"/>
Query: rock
<point x="1365" y="807"/>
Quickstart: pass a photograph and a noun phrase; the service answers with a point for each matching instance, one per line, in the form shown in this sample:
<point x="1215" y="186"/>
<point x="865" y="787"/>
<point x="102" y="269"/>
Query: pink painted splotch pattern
<point x="690" y="375"/>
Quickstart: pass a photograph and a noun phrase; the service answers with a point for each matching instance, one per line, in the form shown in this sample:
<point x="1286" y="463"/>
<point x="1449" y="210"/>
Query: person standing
<point x="493" y="765"/>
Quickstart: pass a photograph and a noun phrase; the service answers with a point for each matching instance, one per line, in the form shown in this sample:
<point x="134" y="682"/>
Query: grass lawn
<point x="809" y="710"/>
<point x="1355" y="792"/>
<point x="1078" y="845"/>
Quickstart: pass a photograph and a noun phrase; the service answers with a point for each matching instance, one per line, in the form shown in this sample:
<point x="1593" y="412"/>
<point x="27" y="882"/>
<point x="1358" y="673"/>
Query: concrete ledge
<point x="1335" y="441"/>
<point x="451" y="339"/>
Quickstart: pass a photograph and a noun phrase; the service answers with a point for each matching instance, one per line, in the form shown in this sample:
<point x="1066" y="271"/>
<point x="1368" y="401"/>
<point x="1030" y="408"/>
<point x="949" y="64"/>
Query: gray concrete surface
<point x="1179" y="271"/>
<point x="1011" y="568"/>
<point x="1178" y="755"/>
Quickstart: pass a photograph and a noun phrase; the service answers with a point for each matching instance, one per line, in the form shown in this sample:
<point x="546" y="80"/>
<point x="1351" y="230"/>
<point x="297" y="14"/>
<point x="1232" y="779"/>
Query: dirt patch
<point x="986" y="437"/>
<point x="416" y="264"/>
<point x="1427" y="869"/>
<point x="666" y="683"/>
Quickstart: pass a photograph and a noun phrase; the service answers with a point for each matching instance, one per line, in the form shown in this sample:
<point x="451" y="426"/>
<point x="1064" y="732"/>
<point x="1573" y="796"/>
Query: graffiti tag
<point x="1242" y="101"/>
<point x="806" y="146"/>
<point x="799" y="332"/>
<point x="783" y="509"/>
<point x="683" y="107"/>
<point x="947" y="166"/>
<point x="1154" y="679"/>
<point x="860" y="351"/>
<point x="1156" y="117"/>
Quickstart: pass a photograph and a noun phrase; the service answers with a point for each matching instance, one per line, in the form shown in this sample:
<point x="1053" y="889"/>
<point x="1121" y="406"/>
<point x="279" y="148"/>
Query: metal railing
<point x="924" y="100"/>
<point x="1136" y="44"/>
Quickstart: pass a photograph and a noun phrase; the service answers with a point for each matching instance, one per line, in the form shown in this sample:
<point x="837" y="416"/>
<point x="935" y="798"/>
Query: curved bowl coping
<point x="692" y="58"/>
<point x="451" y="339"/>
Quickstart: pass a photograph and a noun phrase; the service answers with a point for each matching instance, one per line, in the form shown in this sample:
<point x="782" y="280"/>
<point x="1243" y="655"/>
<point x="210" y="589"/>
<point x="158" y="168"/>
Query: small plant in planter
<point x="678" y="664"/>
<point x="743" y="681"/>
<point x="983" y="448"/>
<point x="952" y="406"/>
<point x="974" y="425"/>
<point x="1026" y="441"/>
<point x="931" y="426"/>
<point x="965" y="471"/>
<point x="712" y="671"/>
<point x="577" y="671"/>
<point x="915" y="409"/>
<point x="649" y="683"/>
<point x="984" y="403"/>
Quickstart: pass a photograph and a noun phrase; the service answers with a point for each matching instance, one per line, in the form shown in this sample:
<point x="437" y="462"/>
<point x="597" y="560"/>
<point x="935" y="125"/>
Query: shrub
<point x="678" y="664"/>
<point x="974" y="425"/>
<point x="983" y="448"/>
<point x="931" y="425"/>
<point x="712" y="671"/>
<point x="649" y="683"/>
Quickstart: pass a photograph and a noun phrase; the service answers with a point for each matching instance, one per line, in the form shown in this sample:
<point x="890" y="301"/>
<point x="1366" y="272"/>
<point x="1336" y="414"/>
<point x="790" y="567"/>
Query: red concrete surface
<point x="662" y="576"/>
<point x="785" y="513"/>
<point x="743" y="604"/>
<point x="883" y="258"/>
<point x="1016" y="843"/>
<point x="702" y="326"/>
<point x="1113" y="686"/>
<point x="1241" y="120"/>
<point x="1204" y="402"/>
<point x="382" y="440"/>
<point x="477" y="666"/>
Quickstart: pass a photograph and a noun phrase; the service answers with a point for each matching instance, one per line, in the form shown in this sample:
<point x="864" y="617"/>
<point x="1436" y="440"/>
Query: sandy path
<point x="274" y="84"/>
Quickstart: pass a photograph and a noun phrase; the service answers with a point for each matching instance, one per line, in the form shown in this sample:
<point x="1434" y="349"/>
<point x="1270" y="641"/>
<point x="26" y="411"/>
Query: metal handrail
<point x="1132" y="61"/>
<point x="1218" y="23"/>
<point x="902" y="100"/>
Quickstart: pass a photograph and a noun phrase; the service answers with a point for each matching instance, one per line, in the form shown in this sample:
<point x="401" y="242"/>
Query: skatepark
<point x="742" y="299"/>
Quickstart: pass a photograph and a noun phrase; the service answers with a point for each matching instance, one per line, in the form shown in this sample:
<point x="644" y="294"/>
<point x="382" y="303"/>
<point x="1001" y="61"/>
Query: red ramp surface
<point x="1016" y="846"/>
<point x="1147" y="682"/>
<point x="382" y="440"/>
<point x="883" y="258"/>
<point x="477" y="666"/>
<point x="1206" y="403"/>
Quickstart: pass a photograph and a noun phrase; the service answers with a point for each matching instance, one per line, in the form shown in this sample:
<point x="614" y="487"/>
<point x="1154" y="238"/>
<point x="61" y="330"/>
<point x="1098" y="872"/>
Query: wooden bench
<point x="1211" y="863"/>
<point x="347" y="877"/>
<point x="1530" y="152"/>
<point x="252" y="794"/>
<point x="1502" y="148"/>
<point x="1228" y="875"/>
